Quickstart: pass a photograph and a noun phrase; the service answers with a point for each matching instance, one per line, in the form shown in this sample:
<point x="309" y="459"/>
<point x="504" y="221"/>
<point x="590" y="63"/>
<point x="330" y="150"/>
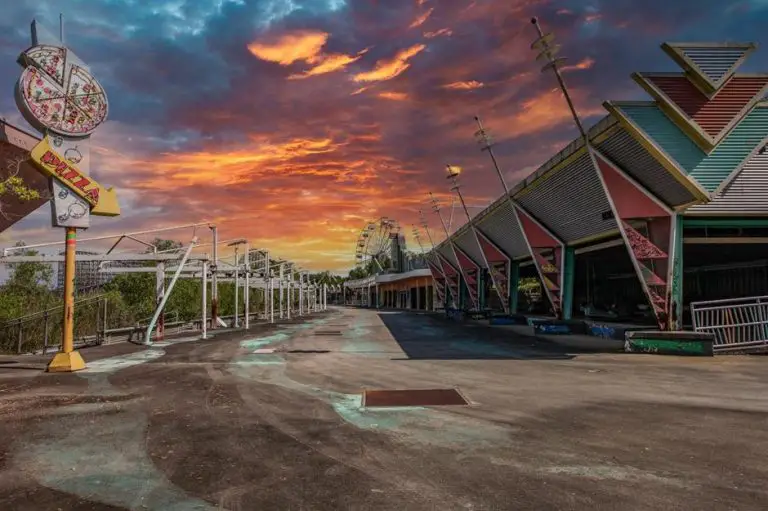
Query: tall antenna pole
<point x="417" y="237"/>
<point x="487" y="145"/>
<point x="436" y="208"/>
<point x="436" y="261"/>
<point x="61" y="28"/>
<point x="426" y="228"/>
<point x="548" y="51"/>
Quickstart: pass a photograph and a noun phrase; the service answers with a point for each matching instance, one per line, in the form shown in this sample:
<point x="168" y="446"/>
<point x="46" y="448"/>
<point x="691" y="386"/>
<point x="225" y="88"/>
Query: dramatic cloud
<point x="470" y="85"/>
<point x="289" y="48"/>
<point x="395" y="96"/>
<point x="296" y="123"/>
<point x="437" y="33"/>
<point x="388" y="69"/>
<point x="421" y="19"/>
<point x="587" y="63"/>
<point x="303" y="46"/>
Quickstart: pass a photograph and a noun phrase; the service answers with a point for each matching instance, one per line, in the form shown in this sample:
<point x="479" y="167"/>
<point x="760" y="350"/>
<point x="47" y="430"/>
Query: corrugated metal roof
<point x="746" y="194"/>
<point x="446" y="251"/>
<point x="715" y="114"/>
<point x="657" y="126"/>
<point x="626" y="152"/>
<point x="715" y="61"/>
<point x="600" y="127"/>
<point x="572" y="202"/>
<point x="467" y="242"/>
<point x="709" y="170"/>
<point x="502" y="228"/>
<point x="733" y="150"/>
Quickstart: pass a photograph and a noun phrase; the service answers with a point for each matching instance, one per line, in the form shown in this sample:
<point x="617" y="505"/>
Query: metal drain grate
<point x="427" y="397"/>
<point x="328" y="332"/>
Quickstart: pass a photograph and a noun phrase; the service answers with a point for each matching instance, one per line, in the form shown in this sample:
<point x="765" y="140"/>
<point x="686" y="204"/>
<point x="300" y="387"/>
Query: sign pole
<point x="68" y="359"/>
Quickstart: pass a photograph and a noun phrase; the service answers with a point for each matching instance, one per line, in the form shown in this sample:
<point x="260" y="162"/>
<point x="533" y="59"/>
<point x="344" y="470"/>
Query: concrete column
<point x="514" y="287"/>
<point x="568" y="275"/>
<point x="159" y="294"/>
<point x="675" y="273"/>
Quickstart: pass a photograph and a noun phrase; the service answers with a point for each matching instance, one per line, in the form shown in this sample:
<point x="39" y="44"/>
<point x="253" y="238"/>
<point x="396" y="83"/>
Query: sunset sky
<point x="295" y="122"/>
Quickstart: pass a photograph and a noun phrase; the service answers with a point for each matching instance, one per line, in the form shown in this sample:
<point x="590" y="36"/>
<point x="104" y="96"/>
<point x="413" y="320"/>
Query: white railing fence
<point x="738" y="324"/>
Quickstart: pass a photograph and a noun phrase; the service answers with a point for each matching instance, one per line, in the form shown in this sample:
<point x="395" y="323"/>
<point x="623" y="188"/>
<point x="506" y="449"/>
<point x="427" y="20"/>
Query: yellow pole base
<point x="66" y="362"/>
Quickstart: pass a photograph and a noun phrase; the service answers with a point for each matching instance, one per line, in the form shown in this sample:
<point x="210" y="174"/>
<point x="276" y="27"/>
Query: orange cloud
<point x="587" y="63"/>
<point x="437" y="33"/>
<point x="470" y="85"/>
<point x="303" y="46"/>
<point x="328" y="64"/>
<point x="387" y="69"/>
<point x="595" y="16"/>
<point x="298" y="46"/>
<point x="394" y="96"/>
<point x="544" y="112"/>
<point x="422" y="18"/>
<point x="234" y="166"/>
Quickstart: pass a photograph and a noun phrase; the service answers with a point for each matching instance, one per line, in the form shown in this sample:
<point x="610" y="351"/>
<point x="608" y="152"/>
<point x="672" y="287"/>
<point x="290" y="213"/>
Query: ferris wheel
<point x="374" y="245"/>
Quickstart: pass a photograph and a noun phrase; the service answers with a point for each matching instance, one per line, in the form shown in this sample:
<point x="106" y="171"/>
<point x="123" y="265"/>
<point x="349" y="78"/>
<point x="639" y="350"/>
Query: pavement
<point x="271" y="419"/>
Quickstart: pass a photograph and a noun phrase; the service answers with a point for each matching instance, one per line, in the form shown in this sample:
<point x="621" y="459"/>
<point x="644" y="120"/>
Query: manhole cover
<point x="427" y="397"/>
<point x="328" y="332"/>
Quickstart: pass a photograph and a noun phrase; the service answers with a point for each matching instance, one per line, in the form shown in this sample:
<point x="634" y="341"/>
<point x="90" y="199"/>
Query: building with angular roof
<point x="667" y="204"/>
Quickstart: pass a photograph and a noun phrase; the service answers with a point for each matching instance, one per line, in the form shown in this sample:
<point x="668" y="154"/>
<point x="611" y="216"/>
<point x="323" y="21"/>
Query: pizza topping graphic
<point x="64" y="98"/>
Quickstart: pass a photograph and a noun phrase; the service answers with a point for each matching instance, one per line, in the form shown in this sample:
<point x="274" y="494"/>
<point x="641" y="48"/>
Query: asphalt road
<point x="272" y="420"/>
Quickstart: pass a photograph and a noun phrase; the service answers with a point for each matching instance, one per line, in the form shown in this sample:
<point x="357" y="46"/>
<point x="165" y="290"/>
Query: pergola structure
<point x="253" y="269"/>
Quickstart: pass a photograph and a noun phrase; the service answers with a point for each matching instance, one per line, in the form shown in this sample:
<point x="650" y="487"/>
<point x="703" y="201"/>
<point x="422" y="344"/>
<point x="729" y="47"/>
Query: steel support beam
<point x="656" y="252"/>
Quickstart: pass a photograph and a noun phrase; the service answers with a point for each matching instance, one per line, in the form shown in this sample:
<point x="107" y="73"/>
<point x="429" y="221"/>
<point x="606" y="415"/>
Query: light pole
<point x="452" y="244"/>
<point x="215" y="279"/>
<point x="280" y="285"/>
<point x="266" y="285"/>
<point x="247" y="265"/>
<point x="453" y="175"/>
<point x="236" y="243"/>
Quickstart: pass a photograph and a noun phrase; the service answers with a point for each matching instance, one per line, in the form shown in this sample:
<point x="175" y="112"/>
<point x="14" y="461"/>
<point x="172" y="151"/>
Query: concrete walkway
<point x="272" y="420"/>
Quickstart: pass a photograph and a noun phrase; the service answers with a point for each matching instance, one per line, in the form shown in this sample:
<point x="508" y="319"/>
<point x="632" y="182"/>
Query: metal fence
<point x="41" y="331"/>
<point x="738" y="324"/>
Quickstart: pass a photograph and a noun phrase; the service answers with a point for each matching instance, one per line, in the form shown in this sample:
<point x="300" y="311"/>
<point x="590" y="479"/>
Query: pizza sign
<point x="103" y="201"/>
<point x="71" y="176"/>
<point x="55" y="92"/>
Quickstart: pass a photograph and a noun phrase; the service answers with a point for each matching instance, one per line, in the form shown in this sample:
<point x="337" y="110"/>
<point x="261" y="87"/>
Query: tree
<point x="29" y="275"/>
<point x="13" y="185"/>
<point x="28" y="288"/>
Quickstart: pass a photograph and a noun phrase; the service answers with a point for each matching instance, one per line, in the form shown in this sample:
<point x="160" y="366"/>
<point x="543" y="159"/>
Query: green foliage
<point x="27" y="288"/>
<point x="15" y="186"/>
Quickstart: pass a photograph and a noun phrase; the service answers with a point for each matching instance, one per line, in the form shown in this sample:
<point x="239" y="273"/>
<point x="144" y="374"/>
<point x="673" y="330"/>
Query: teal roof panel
<point x="710" y="170"/>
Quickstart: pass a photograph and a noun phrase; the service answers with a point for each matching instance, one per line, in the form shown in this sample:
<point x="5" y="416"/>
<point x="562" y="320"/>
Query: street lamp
<point x="236" y="244"/>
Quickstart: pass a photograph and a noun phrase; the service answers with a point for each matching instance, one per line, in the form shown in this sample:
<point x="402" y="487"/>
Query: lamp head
<point x="453" y="171"/>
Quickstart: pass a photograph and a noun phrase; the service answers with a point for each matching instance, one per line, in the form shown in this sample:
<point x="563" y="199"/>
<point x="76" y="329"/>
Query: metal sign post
<point x="50" y="95"/>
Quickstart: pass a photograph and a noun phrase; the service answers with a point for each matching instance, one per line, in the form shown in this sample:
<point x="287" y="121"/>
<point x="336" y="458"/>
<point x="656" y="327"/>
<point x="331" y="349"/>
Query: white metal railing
<point x="736" y="323"/>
